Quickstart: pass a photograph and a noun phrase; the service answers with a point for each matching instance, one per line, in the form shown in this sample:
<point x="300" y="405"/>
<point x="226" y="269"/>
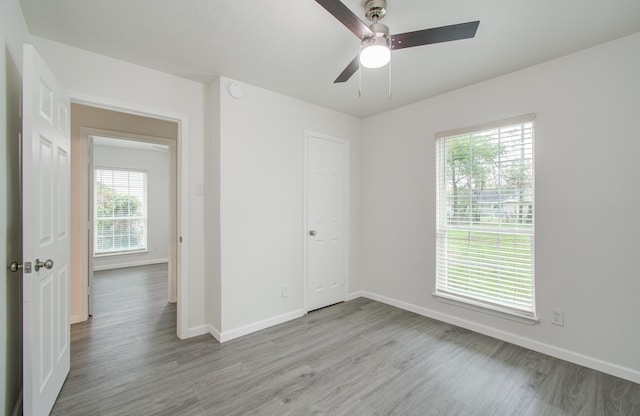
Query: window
<point x="485" y="216"/>
<point x="120" y="216"/>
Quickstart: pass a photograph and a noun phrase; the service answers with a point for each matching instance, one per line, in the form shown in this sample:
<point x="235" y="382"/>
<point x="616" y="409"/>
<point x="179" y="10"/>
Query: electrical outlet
<point x="557" y="317"/>
<point x="284" y="291"/>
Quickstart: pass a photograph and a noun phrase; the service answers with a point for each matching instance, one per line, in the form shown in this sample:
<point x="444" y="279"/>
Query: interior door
<point x="327" y="196"/>
<point x="45" y="187"/>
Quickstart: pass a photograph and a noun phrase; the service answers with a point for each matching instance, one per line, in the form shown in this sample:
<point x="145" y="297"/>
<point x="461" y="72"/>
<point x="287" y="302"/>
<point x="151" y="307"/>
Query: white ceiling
<point x="297" y="48"/>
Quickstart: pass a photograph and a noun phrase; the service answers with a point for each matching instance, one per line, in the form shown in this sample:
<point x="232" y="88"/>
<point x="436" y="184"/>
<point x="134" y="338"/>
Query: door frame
<point x="182" y="187"/>
<point x="305" y="215"/>
<point x="86" y="134"/>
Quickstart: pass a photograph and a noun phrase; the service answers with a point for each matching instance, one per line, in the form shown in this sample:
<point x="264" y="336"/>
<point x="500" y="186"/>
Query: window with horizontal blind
<point x="120" y="217"/>
<point x="485" y="216"/>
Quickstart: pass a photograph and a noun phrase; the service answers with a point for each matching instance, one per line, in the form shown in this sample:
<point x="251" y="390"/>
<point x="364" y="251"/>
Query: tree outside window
<point x="485" y="216"/>
<point x="120" y="211"/>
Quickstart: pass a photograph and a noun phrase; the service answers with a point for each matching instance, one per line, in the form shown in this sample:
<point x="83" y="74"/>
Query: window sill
<point x="480" y="307"/>
<point x="120" y="253"/>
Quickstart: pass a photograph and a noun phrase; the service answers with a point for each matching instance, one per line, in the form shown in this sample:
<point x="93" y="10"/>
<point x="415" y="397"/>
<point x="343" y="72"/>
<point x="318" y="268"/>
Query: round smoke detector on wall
<point x="236" y="90"/>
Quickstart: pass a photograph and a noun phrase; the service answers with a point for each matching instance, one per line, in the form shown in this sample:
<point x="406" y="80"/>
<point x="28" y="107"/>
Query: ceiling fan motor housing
<point x="375" y="10"/>
<point x="380" y="30"/>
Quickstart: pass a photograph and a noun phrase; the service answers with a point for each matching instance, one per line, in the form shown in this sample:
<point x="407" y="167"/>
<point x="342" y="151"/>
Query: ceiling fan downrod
<point x="375" y="10"/>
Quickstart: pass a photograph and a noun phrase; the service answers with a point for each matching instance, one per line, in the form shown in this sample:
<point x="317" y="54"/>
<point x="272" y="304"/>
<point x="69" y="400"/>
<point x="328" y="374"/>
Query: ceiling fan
<point x="376" y="43"/>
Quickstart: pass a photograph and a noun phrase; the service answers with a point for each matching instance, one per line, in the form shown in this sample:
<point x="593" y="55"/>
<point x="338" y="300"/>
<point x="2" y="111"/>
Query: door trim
<point x="87" y="133"/>
<point x="305" y="207"/>
<point x="182" y="181"/>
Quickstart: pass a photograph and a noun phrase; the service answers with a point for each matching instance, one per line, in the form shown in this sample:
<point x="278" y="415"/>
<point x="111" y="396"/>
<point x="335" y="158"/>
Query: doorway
<point x="131" y="136"/>
<point x="132" y="200"/>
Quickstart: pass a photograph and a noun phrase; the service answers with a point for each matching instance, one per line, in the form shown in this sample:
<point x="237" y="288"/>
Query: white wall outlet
<point x="284" y="291"/>
<point x="557" y="317"/>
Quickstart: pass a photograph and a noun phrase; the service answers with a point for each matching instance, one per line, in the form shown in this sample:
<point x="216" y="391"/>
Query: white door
<point x="327" y="196"/>
<point x="45" y="188"/>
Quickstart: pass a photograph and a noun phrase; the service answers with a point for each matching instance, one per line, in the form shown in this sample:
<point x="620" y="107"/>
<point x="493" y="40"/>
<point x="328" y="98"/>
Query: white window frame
<point x="143" y="217"/>
<point x="447" y="288"/>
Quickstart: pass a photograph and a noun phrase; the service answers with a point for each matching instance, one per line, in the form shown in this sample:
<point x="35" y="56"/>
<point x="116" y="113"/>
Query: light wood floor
<point x="356" y="358"/>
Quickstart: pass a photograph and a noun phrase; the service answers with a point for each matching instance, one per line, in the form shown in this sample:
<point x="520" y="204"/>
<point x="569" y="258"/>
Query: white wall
<point x="88" y="74"/>
<point x="587" y="182"/>
<point x="261" y="202"/>
<point x="13" y="33"/>
<point x="213" y="283"/>
<point x="156" y="164"/>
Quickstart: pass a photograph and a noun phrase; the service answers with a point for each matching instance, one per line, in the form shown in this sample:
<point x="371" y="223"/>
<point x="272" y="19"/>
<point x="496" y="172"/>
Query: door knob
<point x="14" y="266"/>
<point x="48" y="264"/>
<point x="312" y="232"/>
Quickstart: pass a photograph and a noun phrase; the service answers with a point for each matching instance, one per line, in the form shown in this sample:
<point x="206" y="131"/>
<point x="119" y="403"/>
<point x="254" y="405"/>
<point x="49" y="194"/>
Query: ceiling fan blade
<point x="434" y="35"/>
<point x="351" y="69"/>
<point x="346" y="17"/>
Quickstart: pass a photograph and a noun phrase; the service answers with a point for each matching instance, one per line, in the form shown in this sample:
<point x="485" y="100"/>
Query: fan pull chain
<point x="389" y="71"/>
<point x="360" y="77"/>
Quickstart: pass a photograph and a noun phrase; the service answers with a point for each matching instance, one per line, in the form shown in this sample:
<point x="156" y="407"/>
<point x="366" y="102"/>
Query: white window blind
<point x="485" y="216"/>
<point x="120" y="210"/>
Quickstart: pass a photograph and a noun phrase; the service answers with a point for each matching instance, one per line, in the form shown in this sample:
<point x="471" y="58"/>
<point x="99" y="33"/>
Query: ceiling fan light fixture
<point x="375" y="51"/>
<point x="375" y="56"/>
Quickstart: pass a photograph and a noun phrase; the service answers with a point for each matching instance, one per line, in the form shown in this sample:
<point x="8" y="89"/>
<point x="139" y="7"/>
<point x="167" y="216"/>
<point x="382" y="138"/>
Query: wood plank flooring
<point x="356" y="358"/>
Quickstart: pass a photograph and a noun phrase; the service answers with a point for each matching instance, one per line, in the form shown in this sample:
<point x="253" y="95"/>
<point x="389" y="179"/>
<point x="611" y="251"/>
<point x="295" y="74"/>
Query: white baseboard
<point x="561" y="353"/>
<point x="257" y="326"/>
<point x="201" y="330"/>
<point x="214" y="332"/>
<point x="355" y="295"/>
<point x="128" y="264"/>
<point x="74" y="319"/>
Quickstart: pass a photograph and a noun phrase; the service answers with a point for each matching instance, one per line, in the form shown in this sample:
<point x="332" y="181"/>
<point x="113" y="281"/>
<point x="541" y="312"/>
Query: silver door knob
<point x="48" y="264"/>
<point x="312" y="232"/>
<point x="14" y="266"/>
